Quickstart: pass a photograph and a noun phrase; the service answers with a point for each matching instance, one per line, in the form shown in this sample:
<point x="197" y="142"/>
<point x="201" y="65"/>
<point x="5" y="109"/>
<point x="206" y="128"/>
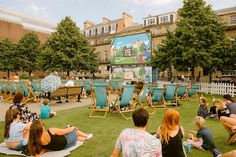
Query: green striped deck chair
<point x="141" y="98"/>
<point x="192" y="93"/>
<point x="181" y="91"/>
<point x="171" y="94"/>
<point x="124" y="102"/>
<point x="19" y="87"/>
<point x="2" y="88"/>
<point x="88" y="87"/>
<point x="36" y="88"/>
<point x="100" y="101"/>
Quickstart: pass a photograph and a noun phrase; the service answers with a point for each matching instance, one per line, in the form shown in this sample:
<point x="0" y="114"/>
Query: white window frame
<point x="151" y="21"/>
<point x="164" y="18"/>
<point x="93" y="31"/>
<point x="99" y="30"/>
<point x="106" y="29"/>
<point x="232" y="19"/>
<point x="86" y="32"/>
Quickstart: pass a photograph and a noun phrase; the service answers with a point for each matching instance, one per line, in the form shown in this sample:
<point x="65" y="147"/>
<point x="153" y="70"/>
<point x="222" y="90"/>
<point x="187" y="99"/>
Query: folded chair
<point x="19" y="87"/>
<point x="3" y="90"/>
<point x="28" y="93"/>
<point x="124" y="103"/>
<point x="192" y="93"/>
<point x="88" y="88"/>
<point x="100" y="101"/>
<point x="36" y="88"/>
<point x="157" y="97"/>
<point x="171" y="95"/>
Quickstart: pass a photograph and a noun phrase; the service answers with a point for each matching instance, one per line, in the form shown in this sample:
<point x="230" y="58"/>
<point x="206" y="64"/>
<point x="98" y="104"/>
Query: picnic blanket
<point x="5" y="150"/>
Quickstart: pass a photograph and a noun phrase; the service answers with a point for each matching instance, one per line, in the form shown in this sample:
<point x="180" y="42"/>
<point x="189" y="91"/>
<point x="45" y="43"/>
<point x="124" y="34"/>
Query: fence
<point x="217" y="88"/>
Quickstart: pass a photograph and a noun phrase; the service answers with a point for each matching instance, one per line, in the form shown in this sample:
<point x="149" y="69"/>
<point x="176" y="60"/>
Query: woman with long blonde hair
<point x="171" y="134"/>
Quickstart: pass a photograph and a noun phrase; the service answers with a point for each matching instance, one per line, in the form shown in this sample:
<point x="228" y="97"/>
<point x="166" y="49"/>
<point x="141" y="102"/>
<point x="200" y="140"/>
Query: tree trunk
<point x="8" y="73"/>
<point x="210" y="77"/>
<point x="68" y="73"/>
<point x="192" y="76"/>
<point x="30" y="74"/>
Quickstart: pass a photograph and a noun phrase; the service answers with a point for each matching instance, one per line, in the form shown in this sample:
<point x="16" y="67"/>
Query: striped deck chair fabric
<point x="158" y="97"/>
<point x="181" y="90"/>
<point x="192" y="93"/>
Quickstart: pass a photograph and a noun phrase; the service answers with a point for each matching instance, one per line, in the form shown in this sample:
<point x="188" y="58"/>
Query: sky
<point x="95" y="10"/>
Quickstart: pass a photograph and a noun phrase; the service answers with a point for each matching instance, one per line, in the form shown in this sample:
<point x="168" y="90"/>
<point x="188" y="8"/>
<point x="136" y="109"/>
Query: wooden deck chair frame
<point x="174" y="99"/>
<point x="3" y="90"/>
<point x="19" y="87"/>
<point x="121" y="97"/>
<point x="8" y="96"/>
<point x="232" y="138"/>
<point x="30" y="96"/>
<point x="99" y="89"/>
<point x="113" y="86"/>
<point x="156" y="98"/>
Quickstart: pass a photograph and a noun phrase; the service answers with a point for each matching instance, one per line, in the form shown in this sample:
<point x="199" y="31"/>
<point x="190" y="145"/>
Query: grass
<point x="107" y="130"/>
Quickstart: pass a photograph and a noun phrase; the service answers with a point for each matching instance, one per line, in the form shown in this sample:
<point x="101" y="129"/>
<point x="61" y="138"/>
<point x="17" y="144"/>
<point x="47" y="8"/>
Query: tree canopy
<point x="9" y="58"/>
<point x="198" y="41"/>
<point x="29" y="50"/>
<point x="67" y="49"/>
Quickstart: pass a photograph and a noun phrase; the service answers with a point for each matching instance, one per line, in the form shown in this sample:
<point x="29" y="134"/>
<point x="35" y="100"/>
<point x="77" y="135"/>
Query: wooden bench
<point x="66" y="91"/>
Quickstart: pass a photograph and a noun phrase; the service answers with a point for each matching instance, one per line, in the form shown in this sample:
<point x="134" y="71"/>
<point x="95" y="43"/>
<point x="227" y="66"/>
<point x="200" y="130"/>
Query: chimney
<point x="87" y="24"/>
<point x="128" y="20"/>
<point x="105" y="20"/>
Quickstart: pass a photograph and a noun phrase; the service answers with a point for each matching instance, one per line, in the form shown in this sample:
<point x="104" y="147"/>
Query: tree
<point x="67" y="49"/>
<point x="199" y="40"/>
<point x="29" y="50"/>
<point x="8" y="55"/>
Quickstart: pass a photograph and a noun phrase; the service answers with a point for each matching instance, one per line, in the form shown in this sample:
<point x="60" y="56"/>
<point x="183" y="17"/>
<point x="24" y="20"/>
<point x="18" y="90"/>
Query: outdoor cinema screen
<point x="132" y="49"/>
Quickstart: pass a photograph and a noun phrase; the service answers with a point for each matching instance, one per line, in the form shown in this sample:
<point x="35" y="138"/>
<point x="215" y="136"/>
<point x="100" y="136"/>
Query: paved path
<point x="35" y="107"/>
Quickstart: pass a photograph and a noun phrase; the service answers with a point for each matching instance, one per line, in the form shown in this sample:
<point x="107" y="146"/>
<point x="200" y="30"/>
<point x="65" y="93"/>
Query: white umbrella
<point x="50" y="83"/>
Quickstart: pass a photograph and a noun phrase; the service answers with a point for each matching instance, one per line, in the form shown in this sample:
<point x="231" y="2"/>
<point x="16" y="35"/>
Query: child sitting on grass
<point x="202" y="110"/>
<point x="46" y="111"/>
<point x="204" y="139"/>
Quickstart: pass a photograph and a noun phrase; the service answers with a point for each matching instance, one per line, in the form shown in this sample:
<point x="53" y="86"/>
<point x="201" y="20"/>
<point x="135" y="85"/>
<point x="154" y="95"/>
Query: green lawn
<point x="107" y="130"/>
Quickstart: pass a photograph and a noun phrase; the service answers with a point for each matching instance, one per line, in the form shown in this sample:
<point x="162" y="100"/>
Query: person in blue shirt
<point x="16" y="133"/>
<point x="46" y="111"/>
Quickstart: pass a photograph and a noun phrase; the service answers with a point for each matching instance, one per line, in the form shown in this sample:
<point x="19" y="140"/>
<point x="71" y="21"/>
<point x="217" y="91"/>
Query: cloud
<point x="35" y="8"/>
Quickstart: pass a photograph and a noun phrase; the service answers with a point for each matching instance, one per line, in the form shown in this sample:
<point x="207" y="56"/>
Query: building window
<point x="151" y="21"/>
<point x="106" y="28"/>
<point x="113" y="27"/>
<point x="233" y="19"/>
<point x="164" y="19"/>
<point x="99" y="30"/>
<point x="93" y="32"/>
<point x="86" y="32"/>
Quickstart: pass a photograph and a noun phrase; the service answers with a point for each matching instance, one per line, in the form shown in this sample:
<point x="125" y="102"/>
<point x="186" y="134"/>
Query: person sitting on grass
<point x="222" y="109"/>
<point x="16" y="133"/>
<point x="171" y="134"/>
<point x="45" y="110"/>
<point x="230" y="103"/>
<point x="202" y="110"/>
<point x="136" y="141"/>
<point x="204" y="139"/>
<point x="25" y="114"/>
<point x="53" y="139"/>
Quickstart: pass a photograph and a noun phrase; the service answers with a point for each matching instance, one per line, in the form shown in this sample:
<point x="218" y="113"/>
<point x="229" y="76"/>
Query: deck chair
<point x="28" y="93"/>
<point x="192" y="93"/>
<point x="9" y="93"/>
<point x="123" y="102"/>
<point x="232" y="138"/>
<point x="87" y="84"/>
<point x="36" y="88"/>
<point x="141" y="97"/>
<point x="171" y="95"/>
<point x="19" y="87"/>
<point x="113" y="85"/>
<point x="119" y="85"/>
<point x="100" y="101"/>
<point x="157" y="97"/>
<point x="3" y="90"/>
<point x="181" y="91"/>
